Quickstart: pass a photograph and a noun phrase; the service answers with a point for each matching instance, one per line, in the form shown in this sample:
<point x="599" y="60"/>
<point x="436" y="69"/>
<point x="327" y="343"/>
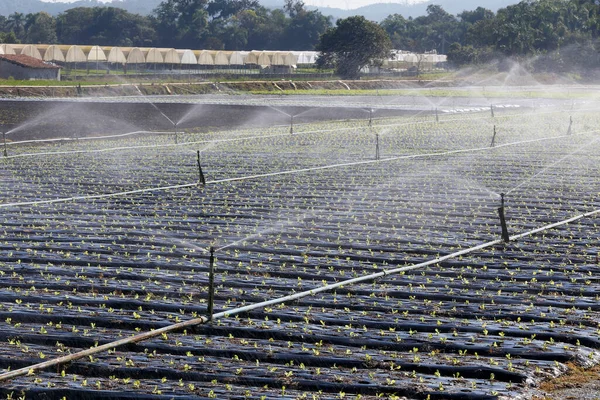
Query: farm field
<point x="106" y="239"/>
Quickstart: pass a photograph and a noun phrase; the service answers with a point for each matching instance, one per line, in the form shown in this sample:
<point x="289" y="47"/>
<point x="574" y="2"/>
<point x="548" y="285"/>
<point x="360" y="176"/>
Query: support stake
<point x="569" y="131"/>
<point x="377" y="154"/>
<point x="492" y="110"/>
<point x="505" y="235"/>
<point x="291" y="124"/>
<point x="211" y="284"/>
<point x="371" y="117"/>
<point x="4" y="138"/>
<point x="176" y="139"/>
<point x="437" y="116"/>
<point x="201" y="178"/>
<point x="493" y="144"/>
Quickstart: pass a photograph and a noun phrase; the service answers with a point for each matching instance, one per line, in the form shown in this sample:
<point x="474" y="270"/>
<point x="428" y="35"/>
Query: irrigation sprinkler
<point x="505" y="235"/>
<point x="211" y="284"/>
<point x="4" y="139"/>
<point x="377" y="153"/>
<point x="569" y="131"/>
<point x="437" y="116"/>
<point x="201" y="178"/>
<point x="175" y="127"/>
<point x="370" y="117"/>
<point x="291" y="124"/>
<point x="493" y="144"/>
<point x="492" y="110"/>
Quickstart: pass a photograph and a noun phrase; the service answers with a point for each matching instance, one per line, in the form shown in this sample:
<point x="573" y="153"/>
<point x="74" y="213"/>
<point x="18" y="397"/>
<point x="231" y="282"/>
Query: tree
<point x="181" y="23"/>
<point x="9" y="37"/>
<point x="304" y="27"/>
<point x="104" y="26"/>
<point x="40" y="28"/>
<point x="435" y="30"/>
<point x="353" y="44"/>
<point x="16" y="23"/>
<point x="73" y="26"/>
<point x="398" y="28"/>
<point x="223" y="9"/>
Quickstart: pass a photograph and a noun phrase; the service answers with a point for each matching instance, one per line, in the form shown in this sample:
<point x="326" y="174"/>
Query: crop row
<point x="79" y="274"/>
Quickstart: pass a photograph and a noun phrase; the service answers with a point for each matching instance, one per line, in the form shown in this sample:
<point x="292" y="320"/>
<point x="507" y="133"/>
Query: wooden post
<point x="493" y="144"/>
<point x="505" y="235"/>
<point x="211" y="284"/>
<point x="201" y="178"/>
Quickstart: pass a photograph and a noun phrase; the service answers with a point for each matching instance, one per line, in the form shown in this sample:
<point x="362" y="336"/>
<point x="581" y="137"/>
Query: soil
<point x="202" y="88"/>
<point x="576" y="384"/>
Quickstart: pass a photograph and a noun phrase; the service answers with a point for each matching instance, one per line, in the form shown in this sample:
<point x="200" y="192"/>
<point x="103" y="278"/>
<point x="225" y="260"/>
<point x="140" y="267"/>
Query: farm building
<point x="24" y="67"/>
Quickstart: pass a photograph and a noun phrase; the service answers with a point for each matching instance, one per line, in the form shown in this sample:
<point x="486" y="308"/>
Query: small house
<point x="22" y="67"/>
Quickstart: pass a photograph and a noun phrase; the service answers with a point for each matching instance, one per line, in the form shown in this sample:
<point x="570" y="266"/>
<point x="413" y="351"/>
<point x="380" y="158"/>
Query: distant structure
<point x="24" y="67"/>
<point x="405" y="60"/>
<point x="100" y="58"/>
<point x="76" y="56"/>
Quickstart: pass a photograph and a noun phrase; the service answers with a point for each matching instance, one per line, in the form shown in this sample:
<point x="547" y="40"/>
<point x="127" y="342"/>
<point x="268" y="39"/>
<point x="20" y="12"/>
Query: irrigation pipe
<point x="280" y="173"/>
<point x="149" y="146"/>
<point x="182" y="143"/>
<point x="97" y="196"/>
<point x="296" y="296"/>
<point x="65" y="139"/>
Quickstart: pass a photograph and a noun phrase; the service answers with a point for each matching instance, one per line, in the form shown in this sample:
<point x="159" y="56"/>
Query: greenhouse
<point x="76" y="54"/>
<point x="168" y="60"/>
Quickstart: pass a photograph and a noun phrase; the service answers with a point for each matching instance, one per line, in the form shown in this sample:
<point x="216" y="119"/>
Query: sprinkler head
<point x="502" y="199"/>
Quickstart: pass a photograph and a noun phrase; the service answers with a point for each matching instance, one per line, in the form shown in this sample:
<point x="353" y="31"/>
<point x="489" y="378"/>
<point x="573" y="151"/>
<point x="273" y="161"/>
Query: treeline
<point x="553" y="35"/>
<point x="561" y="34"/>
<point x="193" y="24"/>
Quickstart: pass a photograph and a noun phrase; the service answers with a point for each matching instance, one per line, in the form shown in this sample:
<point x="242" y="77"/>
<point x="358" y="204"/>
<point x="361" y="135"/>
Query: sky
<point x="343" y="4"/>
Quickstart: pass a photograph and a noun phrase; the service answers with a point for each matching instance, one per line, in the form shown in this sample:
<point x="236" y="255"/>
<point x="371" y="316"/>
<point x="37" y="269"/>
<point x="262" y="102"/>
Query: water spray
<point x="505" y="235"/>
<point x="201" y="178"/>
<point x="211" y="284"/>
<point x="493" y="144"/>
<point x="569" y="131"/>
<point x="492" y="110"/>
<point x="377" y="154"/>
<point x="291" y="124"/>
<point x="4" y="139"/>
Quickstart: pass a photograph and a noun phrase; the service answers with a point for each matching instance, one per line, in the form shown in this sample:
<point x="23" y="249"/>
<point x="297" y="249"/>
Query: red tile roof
<point x="26" y="61"/>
